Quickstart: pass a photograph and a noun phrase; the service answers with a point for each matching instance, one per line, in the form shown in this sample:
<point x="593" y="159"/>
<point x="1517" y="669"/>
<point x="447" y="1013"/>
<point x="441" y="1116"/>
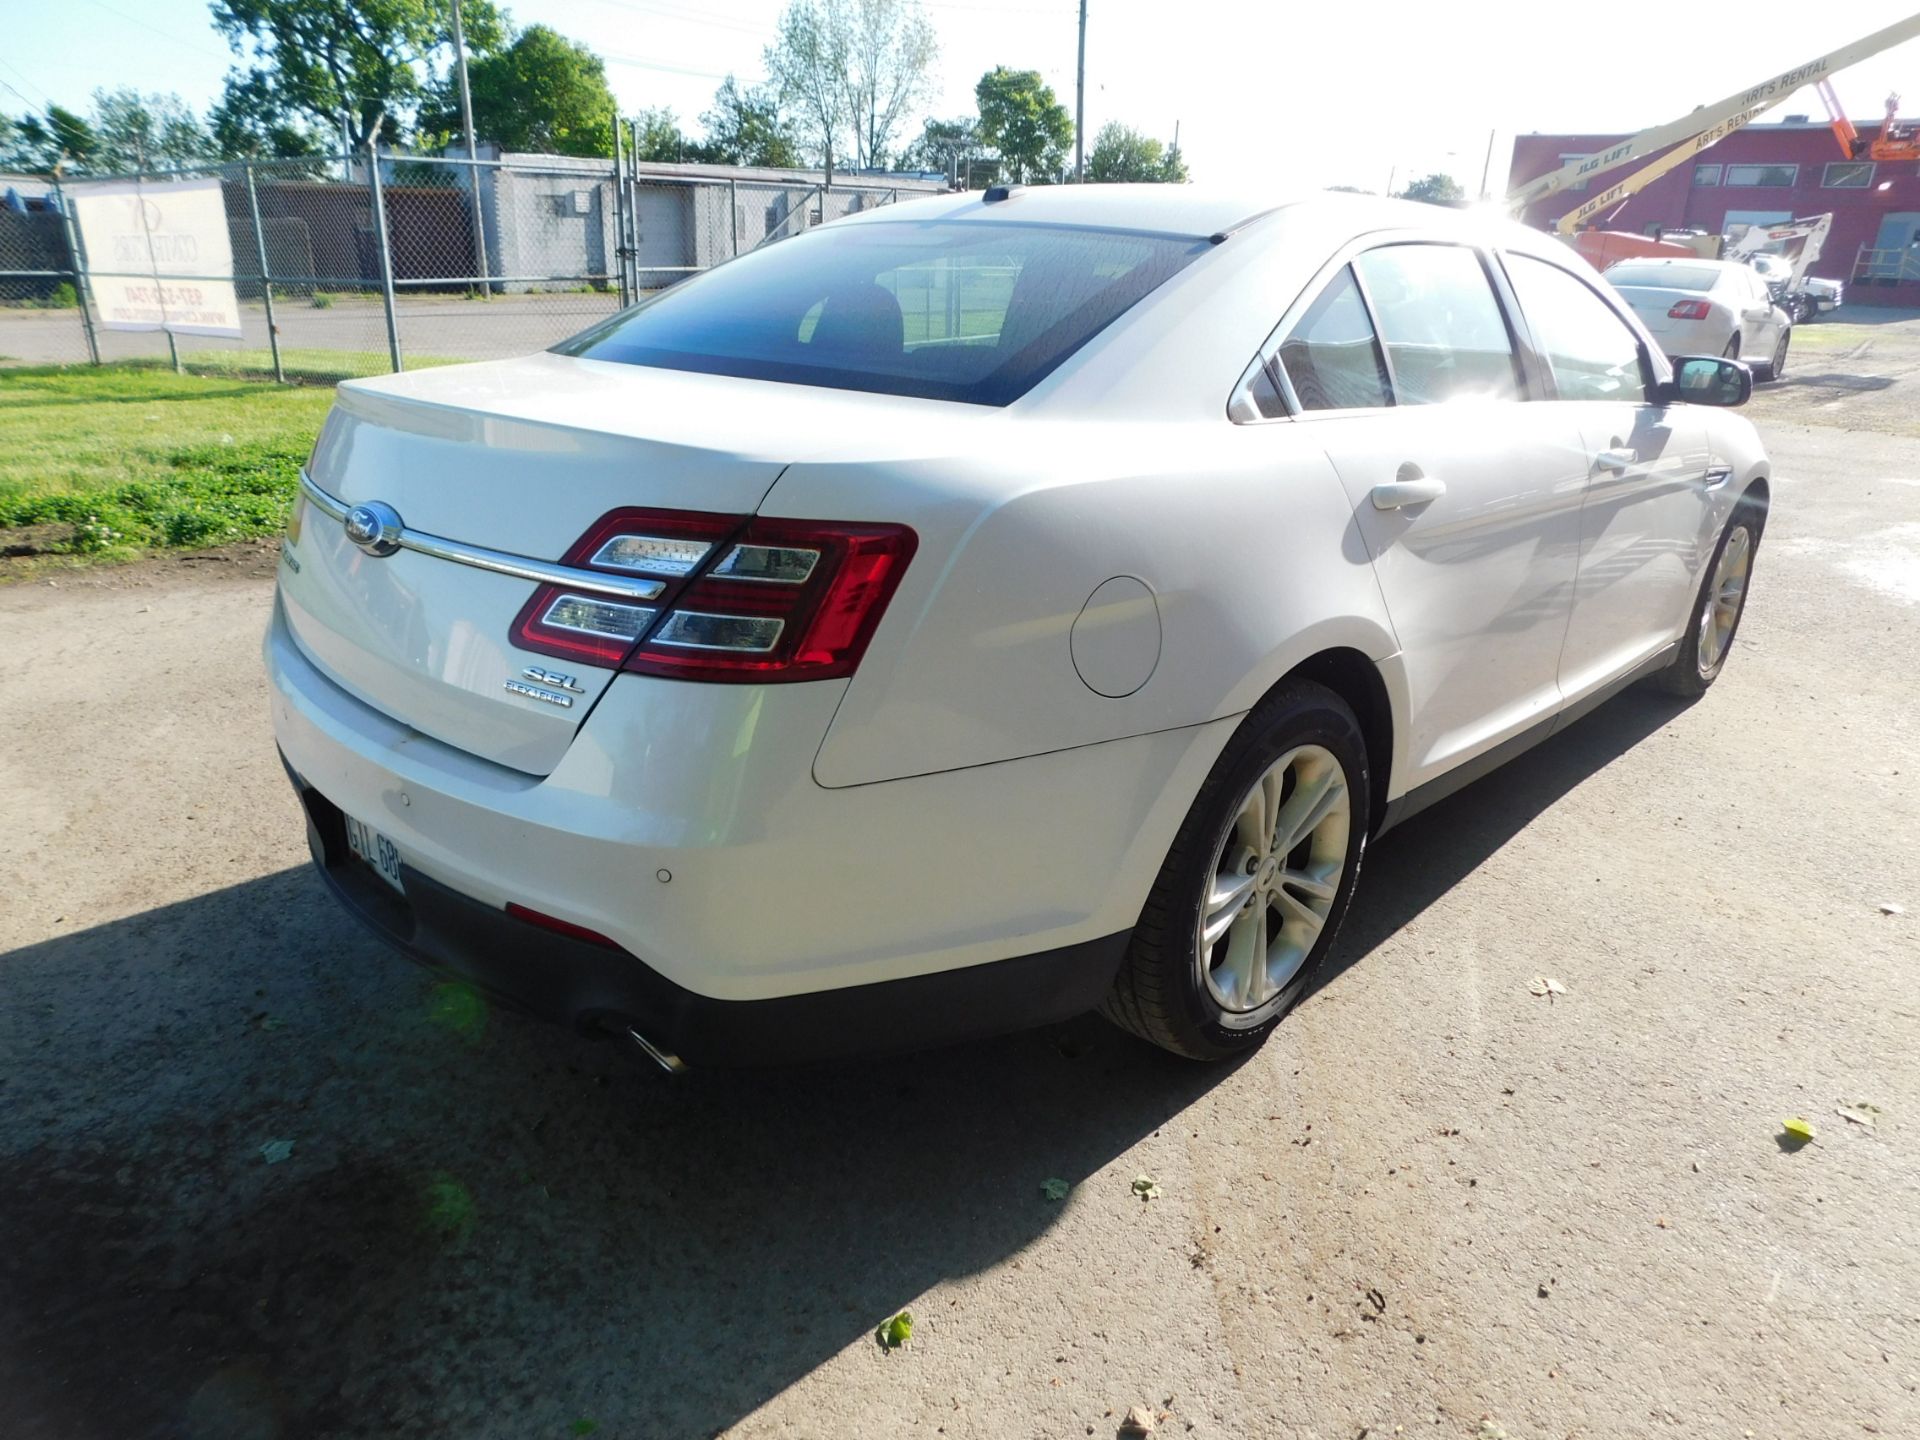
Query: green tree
<point x="807" y="66"/>
<point x="145" y="132"/>
<point x="1435" y="189"/>
<point x="1021" y="119"/>
<point x="745" y="127"/>
<point x="372" y="61"/>
<point x="945" y="145"/>
<point x="1123" y="154"/>
<point x="543" y="93"/>
<point x="248" y="124"/>
<point x="658" y="137"/>
<point x="57" y="142"/>
<point x="891" y="50"/>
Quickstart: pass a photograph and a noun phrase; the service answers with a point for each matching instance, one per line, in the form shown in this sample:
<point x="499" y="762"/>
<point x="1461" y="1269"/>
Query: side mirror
<point x="1707" y="380"/>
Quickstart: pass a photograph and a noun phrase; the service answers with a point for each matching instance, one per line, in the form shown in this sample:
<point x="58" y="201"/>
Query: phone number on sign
<point x="165" y="295"/>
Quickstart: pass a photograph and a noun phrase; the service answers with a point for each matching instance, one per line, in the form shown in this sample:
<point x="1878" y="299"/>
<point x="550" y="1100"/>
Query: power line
<point x="615" y="58"/>
<point x="155" y="29"/>
<point x="44" y="96"/>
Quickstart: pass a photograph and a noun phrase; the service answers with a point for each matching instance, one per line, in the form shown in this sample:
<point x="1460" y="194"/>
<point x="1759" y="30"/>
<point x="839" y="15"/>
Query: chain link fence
<point x="347" y="265"/>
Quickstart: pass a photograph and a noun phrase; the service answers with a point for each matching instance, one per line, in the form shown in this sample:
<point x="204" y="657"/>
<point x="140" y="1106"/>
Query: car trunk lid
<point x="484" y="466"/>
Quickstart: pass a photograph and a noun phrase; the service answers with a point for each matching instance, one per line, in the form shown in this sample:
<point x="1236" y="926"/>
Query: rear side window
<point x="971" y="311"/>
<point x="1331" y="356"/>
<point x="1592" y="353"/>
<point x="1446" y="339"/>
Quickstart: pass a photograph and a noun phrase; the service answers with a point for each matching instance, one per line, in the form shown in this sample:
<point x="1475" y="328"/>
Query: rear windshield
<point x="974" y="312"/>
<point x="1663" y="277"/>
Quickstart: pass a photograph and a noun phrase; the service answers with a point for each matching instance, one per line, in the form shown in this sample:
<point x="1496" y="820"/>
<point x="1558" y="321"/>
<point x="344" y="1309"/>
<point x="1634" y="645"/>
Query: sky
<point x="1360" y="94"/>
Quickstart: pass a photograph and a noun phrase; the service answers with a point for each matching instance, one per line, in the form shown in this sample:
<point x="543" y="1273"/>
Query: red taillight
<point x="1689" y="310"/>
<point x="739" y="600"/>
<point x="786" y="600"/>
<point x="577" y="623"/>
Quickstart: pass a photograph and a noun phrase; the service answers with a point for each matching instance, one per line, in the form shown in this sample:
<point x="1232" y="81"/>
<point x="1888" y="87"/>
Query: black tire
<point x="1160" y="994"/>
<point x="1686" y="676"/>
<point x="1777" y="366"/>
<point x="1732" y="352"/>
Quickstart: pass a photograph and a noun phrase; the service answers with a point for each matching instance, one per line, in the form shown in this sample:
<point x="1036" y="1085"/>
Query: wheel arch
<point x="1356" y="679"/>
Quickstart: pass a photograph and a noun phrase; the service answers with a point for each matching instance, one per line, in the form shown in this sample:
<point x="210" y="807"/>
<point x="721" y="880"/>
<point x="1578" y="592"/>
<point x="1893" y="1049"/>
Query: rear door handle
<point x="1616" y="461"/>
<point x="1399" y="494"/>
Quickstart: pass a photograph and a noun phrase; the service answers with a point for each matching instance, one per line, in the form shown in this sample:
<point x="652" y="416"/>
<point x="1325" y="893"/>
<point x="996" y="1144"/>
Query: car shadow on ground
<point x="480" y="1220"/>
<point x="1416" y="863"/>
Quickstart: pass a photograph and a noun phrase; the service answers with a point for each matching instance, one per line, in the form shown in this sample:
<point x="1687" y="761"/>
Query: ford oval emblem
<point x="375" y="527"/>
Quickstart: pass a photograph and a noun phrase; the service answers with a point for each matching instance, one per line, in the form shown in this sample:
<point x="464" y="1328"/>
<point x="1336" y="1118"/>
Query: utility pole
<point x="473" y="154"/>
<point x="1487" y="168"/>
<point x="1080" y="105"/>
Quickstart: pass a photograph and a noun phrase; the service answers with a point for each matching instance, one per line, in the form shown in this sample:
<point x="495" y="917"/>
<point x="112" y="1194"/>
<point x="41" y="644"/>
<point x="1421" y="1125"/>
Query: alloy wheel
<point x="1729" y="592"/>
<point x="1274" y="879"/>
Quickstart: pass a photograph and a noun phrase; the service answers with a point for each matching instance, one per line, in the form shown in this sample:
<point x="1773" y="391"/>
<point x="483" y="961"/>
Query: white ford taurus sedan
<point x="986" y="609"/>
<point x="1707" y="307"/>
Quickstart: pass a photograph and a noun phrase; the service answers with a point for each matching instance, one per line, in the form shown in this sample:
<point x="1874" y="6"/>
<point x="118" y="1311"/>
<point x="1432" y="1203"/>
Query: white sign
<point x="158" y="256"/>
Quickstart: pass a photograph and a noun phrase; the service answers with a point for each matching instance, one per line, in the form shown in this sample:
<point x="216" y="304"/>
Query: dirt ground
<point x="1434" y="1197"/>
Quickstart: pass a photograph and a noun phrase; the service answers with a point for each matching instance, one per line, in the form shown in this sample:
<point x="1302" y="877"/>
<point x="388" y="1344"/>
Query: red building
<point x="1762" y="175"/>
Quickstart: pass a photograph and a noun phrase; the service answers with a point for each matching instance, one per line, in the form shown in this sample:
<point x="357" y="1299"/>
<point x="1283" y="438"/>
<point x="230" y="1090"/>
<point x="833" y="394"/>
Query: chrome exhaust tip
<point x="672" y="1064"/>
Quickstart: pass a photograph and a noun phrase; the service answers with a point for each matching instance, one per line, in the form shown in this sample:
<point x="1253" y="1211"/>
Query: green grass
<point x="327" y="367"/>
<point x="118" y="459"/>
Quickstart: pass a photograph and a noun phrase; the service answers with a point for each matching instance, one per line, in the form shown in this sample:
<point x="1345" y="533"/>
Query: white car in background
<point x="985" y="609"/>
<point x="1707" y="307"/>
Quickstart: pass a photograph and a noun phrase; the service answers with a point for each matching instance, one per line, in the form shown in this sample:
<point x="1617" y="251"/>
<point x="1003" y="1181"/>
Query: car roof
<point x="1196" y="210"/>
<point x="1680" y="260"/>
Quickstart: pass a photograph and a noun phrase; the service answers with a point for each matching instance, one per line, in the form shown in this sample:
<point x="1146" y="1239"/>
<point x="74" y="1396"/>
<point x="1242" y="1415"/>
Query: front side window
<point x="1445" y="337"/>
<point x="1592" y="353"/>
<point x="973" y="311"/>
<point x="1331" y="356"/>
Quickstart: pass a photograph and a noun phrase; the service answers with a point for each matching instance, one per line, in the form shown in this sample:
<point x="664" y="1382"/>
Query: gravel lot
<point x="1433" y="1198"/>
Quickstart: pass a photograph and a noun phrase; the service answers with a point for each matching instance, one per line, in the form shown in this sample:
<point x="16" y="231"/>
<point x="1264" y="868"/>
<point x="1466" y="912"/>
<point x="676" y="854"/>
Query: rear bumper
<point x="748" y="902"/>
<point x="594" y="988"/>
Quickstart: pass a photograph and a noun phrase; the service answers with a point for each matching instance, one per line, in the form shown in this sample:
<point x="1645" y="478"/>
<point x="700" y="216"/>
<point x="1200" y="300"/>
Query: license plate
<point x="378" y="851"/>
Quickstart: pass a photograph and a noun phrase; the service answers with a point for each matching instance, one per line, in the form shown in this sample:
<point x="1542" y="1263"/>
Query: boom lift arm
<point x="1896" y="141"/>
<point x="1693" y="133"/>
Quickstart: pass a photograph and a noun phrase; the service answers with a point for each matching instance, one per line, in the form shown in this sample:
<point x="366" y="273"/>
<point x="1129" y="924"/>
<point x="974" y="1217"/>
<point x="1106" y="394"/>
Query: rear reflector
<point x="1689" y="310"/>
<point x="559" y="926"/>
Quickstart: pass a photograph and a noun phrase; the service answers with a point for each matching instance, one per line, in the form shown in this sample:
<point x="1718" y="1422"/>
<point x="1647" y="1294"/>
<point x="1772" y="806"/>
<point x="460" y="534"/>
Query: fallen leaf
<point x="1798" y="1128"/>
<point x="1861" y="1112"/>
<point x="1144" y="1187"/>
<point x="1054" y="1189"/>
<point x="584" y="1427"/>
<point x="274" y="1151"/>
<point x="1887" y="907"/>
<point x="1544" y="985"/>
<point x="1139" y="1421"/>
<point x="896" y="1332"/>
<point x="1490" y="1429"/>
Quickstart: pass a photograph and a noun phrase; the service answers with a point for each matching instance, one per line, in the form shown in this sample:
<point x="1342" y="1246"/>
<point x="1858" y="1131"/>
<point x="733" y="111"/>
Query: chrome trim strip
<point x="497" y="561"/>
